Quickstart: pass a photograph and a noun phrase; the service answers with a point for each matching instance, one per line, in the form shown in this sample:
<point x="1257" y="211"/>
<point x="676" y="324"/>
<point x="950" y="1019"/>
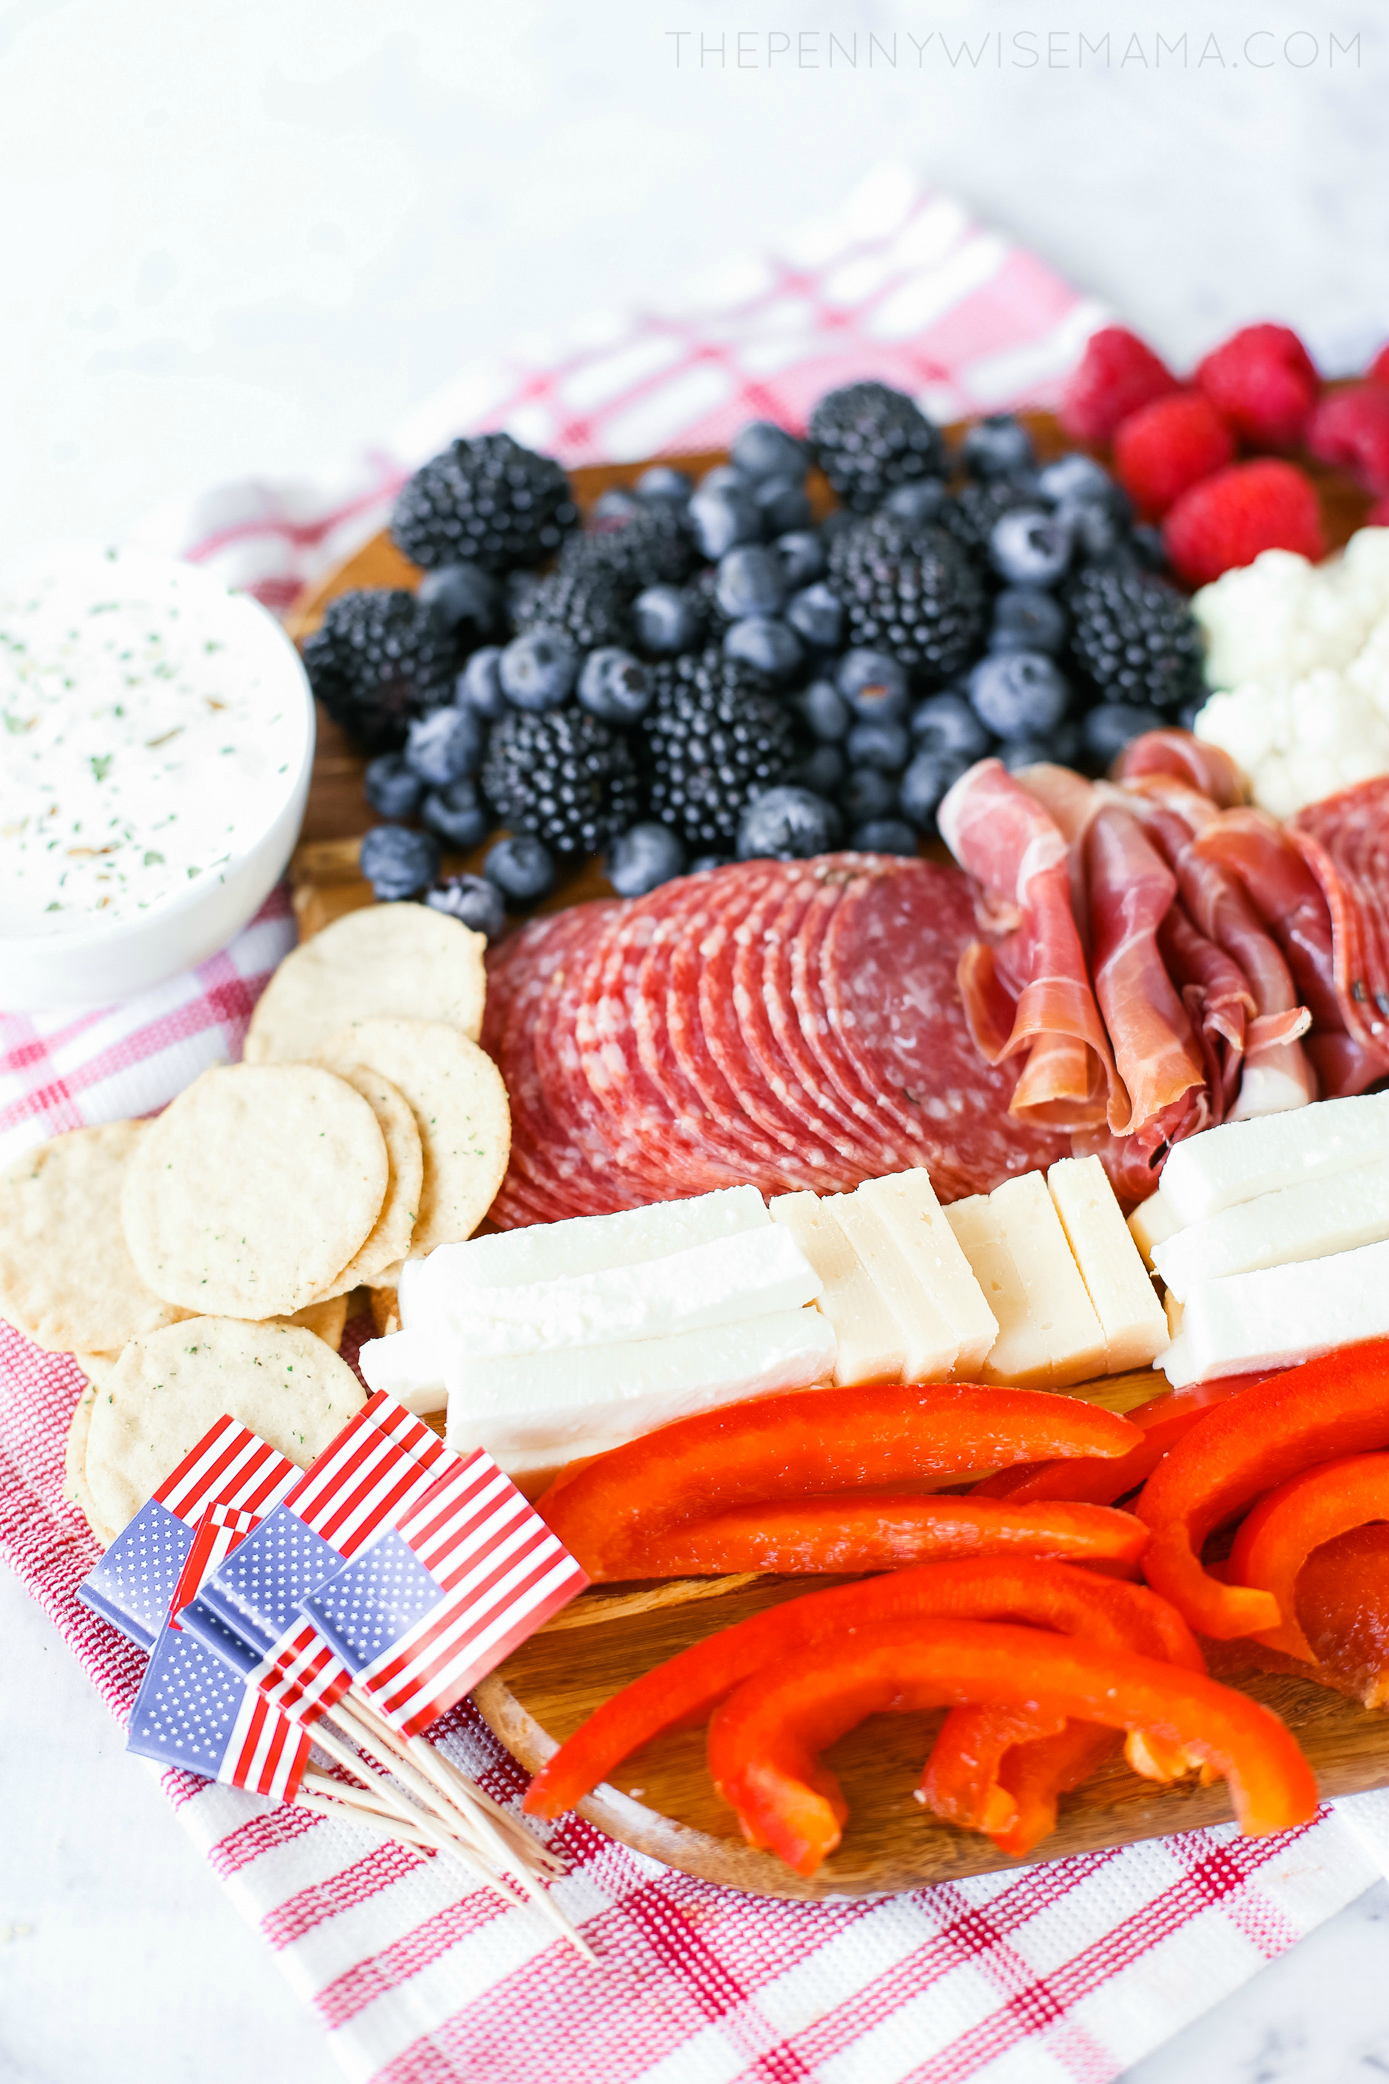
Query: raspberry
<point x="1116" y="375"/>
<point x="1166" y="446"/>
<point x="1378" y="371"/>
<point x="1378" y="516"/>
<point x="1229" y="518"/>
<point x="1263" y="380"/>
<point x="1352" y="428"/>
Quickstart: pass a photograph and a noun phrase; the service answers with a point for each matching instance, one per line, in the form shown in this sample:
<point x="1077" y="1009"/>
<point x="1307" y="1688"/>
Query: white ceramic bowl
<point x="95" y="962"/>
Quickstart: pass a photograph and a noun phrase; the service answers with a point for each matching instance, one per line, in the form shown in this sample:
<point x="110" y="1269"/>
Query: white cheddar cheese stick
<point x="932" y="1344"/>
<point x="538" y="1410"/>
<point x="1151" y="1222"/>
<point x="1240" y="1160"/>
<point x="721" y="1282"/>
<point x="906" y="1204"/>
<point x="1309" y="1221"/>
<point x="407" y="1366"/>
<point x="1176" y="1364"/>
<point x="1056" y="1299"/>
<point x="1121" y="1295"/>
<point x="1283" y="1314"/>
<point x="872" y="1343"/>
<point x="579" y="1245"/>
<point x="1019" y="1354"/>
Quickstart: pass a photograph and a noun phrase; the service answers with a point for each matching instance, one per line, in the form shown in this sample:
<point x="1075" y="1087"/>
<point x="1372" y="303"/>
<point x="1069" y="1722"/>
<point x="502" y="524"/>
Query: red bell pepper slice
<point x="764" y="1740"/>
<point x="1163" y="1421"/>
<point x="687" y="1686"/>
<point x="1033" y="1776"/>
<point x="1336" y="1405"/>
<point x="882" y="1530"/>
<point x="607" y="1509"/>
<point x="1290" y="1521"/>
<point x="1343" y="1605"/>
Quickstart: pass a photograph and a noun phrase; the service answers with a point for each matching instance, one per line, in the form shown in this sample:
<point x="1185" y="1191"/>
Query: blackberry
<point x="713" y="739"/>
<point x="654" y="546"/>
<point x="867" y="438"/>
<point x="1133" y="638"/>
<point x="589" y="606"/>
<point x="911" y="592"/>
<point x="376" y="663"/>
<point x="975" y="511"/>
<point x="563" y="777"/>
<point x="486" y="501"/>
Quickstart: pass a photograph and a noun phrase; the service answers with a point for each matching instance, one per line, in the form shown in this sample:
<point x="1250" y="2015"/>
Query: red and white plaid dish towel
<point x="1071" y="1969"/>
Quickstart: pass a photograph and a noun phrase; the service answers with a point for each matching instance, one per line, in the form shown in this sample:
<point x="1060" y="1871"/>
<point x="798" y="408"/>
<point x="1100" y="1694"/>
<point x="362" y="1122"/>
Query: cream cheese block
<point x="1048" y="1333"/>
<point x="1238" y="1161"/>
<point x="537" y="1411"/>
<point x="932" y="1343"/>
<point x="872" y="1344"/>
<point x="1151" y="1222"/>
<point x="906" y="1204"/>
<point x="1121" y="1295"/>
<point x="1282" y="1314"/>
<point x="1309" y="1221"/>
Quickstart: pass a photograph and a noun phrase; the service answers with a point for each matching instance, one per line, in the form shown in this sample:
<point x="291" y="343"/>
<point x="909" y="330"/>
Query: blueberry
<point x="802" y="556"/>
<point x="1018" y="694"/>
<point x="817" y="615"/>
<point x="615" y="686"/>
<point x="446" y="743"/>
<point x="1099" y="532"/>
<point x="473" y="900"/>
<point x="480" y="685"/>
<point x="782" y="504"/>
<point x="618" y="503"/>
<point x="825" y="711"/>
<point x="998" y="447"/>
<point x="920" y="501"/>
<point x="947" y="724"/>
<point x="643" y="858"/>
<point x="821" y="771"/>
<point x="1110" y="726"/>
<point x="765" y="644"/>
<point x="398" y="863"/>
<point x="1148" y="547"/>
<point x="521" y="868"/>
<point x="392" y="786"/>
<point x="1074" y="477"/>
<point x="663" y="485"/>
<point x="457" y="814"/>
<point x="667" y="619"/>
<point x="1061" y="747"/>
<point x="453" y="595"/>
<point x="873" y="684"/>
<point x="725" y="477"/>
<point x="884" y="836"/>
<point x="1030" y="547"/>
<point x="764" y="450"/>
<point x="708" y="861"/>
<point x="926" y="781"/>
<point x="724" y="515"/>
<point x="879" y="743"/>
<point x="869" y="793"/>
<point x="1025" y="619"/>
<point x="786" y="824"/>
<point x="538" y="670"/>
<point x="750" y="581"/>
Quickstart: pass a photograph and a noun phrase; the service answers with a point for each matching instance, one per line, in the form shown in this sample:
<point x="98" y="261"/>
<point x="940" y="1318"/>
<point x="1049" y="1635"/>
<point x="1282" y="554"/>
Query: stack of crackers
<point x="202" y="1262"/>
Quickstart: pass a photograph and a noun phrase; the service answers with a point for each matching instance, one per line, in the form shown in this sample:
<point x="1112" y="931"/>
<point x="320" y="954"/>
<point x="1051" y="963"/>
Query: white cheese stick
<point x="1240" y="1160"/>
<point x="722" y="1282"/>
<point x="1152" y="1221"/>
<point x="1309" y="1221"/>
<point x="932" y="1344"/>
<point x="1121" y="1295"/>
<point x="906" y="1204"/>
<point x="1173" y="1312"/>
<point x="1048" y="1333"/>
<point x="1176" y="1364"/>
<point x="539" y="1410"/>
<point x="579" y="1245"/>
<point x="1283" y="1314"/>
<point x="1019" y="1354"/>
<point x="407" y="1366"/>
<point x="872" y="1342"/>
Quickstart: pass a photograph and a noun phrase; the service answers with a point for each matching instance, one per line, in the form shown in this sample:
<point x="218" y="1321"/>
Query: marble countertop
<point x="248" y="249"/>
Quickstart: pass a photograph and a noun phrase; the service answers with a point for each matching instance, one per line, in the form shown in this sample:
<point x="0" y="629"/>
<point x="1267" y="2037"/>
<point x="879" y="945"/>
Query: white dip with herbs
<point x="143" y="744"/>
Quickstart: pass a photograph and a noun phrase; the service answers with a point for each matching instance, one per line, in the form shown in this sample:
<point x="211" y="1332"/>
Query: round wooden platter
<point x="663" y="1802"/>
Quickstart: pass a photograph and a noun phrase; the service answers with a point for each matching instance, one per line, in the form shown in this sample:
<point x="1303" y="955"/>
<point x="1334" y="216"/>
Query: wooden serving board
<point x="663" y="1802"/>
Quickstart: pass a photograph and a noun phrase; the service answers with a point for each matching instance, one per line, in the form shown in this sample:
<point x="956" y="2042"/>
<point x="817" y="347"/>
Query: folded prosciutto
<point x="1344" y="842"/>
<point x="1176" y="753"/>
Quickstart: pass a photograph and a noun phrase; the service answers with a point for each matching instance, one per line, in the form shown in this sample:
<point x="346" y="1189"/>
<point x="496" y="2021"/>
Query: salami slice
<point x="1345" y="842"/>
<point x="888" y="965"/>
<point x="811" y="1100"/>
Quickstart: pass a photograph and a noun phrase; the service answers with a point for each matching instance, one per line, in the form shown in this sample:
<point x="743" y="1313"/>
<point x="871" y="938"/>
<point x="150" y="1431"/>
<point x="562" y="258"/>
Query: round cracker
<point x="67" y="1280"/>
<point x="167" y="1389"/>
<point x="327" y="1320"/>
<point x="461" y="1108"/>
<point x="254" y="1189"/>
<point x="97" y="1366"/>
<point x="75" y="1486"/>
<point x="399" y="959"/>
<point x="390" y="1239"/>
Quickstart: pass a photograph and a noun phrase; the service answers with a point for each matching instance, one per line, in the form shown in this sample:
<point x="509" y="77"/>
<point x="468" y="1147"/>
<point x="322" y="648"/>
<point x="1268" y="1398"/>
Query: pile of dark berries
<point x="700" y="673"/>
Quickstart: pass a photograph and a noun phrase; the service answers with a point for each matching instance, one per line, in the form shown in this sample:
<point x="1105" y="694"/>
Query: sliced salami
<point x="1345" y="842"/>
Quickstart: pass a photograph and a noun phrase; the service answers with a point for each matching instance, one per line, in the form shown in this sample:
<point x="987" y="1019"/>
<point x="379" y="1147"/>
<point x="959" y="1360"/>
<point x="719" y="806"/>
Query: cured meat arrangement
<point x="794" y="1024"/>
